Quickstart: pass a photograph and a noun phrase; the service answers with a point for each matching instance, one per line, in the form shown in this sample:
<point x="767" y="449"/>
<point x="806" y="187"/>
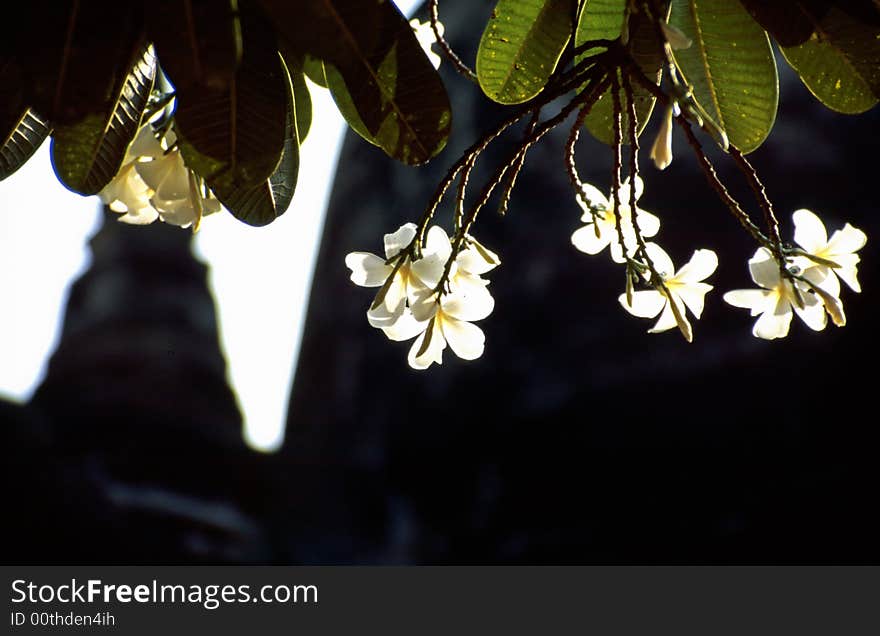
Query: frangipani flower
<point x="425" y="35"/>
<point x="449" y="320"/>
<point x="776" y="300"/>
<point x="127" y="193"/>
<point x="810" y="234"/>
<point x="409" y="304"/>
<point x="369" y="270"/>
<point x="155" y="183"/>
<point x="682" y="289"/>
<point x="601" y="230"/>
<point x="178" y="197"/>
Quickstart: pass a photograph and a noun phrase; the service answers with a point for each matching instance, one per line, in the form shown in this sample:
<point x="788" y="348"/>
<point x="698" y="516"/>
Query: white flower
<point x="178" y="197"/>
<point x="775" y="302"/>
<point x="810" y="234"/>
<point x="682" y="289"/>
<point x="596" y="235"/>
<point x="369" y="270"/>
<point x="448" y="319"/>
<point x="127" y="193"/>
<point x="450" y="322"/>
<point x="408" y="304"/>
<point x="661" y="151"/>
<point x="154" y="183"/>
<point x="425" y="35"/>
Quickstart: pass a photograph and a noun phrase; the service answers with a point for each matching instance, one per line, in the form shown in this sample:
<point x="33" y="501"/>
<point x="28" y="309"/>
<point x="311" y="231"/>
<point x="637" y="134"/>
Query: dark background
<point x="576" y="438"/>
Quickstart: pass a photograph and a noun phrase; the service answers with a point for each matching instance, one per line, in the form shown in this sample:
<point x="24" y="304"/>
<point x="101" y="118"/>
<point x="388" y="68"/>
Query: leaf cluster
<point x="84" y="73"/>
<point x="728" y="73"/>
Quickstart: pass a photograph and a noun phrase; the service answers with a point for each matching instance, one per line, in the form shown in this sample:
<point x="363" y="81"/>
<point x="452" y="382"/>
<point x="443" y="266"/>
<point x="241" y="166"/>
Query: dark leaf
<point x="840" y="62"/>
<point x="303" y="102"/>
<point x="25" y="137"/>
<point x="73" y="53"/>
<point x="793" y="22"/>
<point x="88" y="153"/>
<point x="314" y="70"/>
<point x="396" y="92"/>
<point x="198" y="42"/>
<point x="230" y="117"/>
<point x="262" y="204"/>
<point x="301" y="96"/>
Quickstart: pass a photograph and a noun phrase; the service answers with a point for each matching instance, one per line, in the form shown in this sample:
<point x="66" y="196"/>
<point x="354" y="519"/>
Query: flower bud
<point x="661" y="151"/>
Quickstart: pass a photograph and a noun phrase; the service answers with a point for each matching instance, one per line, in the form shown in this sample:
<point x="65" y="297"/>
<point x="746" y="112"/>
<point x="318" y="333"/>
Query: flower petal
<point x="693" y="296"/>
<point x="367" y="270"/>
<point x="180" y="212"/>
<point x="665" y="321"/>
<point x="399" y="240"/>
<point x="848" y="272"/>
<point x="404" y="328"/>
<point x="846" y="241"/>
<point x="469" y="300"/>
<point x="623" y="193"/>
<point x="649" y="224"/>
<point x="809" y="231"/>
<point x="813" y="315"/>
<point x="591" y="197"/>
<point x="764" y="269"/>
<point x="660" y="259"/>
<point x="586" y="241"/>
<point x="702" y="265"/>
<point x="754" y="299"/>
<point x="168" y="176"/>
<point x="822" y="277"/>
<point x="645" y="304"/>
<point x="424" y="304"/>
<point x="466" y="340"/>
<point x="389" y="311"/>
<point x="145" y="144"/>
<point x="477" y="258"/>
<point x="774" y="323"/>
<point x="434" y="350"/>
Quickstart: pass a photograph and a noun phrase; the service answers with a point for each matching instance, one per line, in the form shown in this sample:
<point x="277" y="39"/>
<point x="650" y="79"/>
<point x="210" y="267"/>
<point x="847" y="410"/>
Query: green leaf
<point x="599" y="20"/>
<point x="395" y="90"/>
<point x="262" y="204"/>
<point x="386" y="134"/>
<point x="313" y="68"/>
<point x="520" y="47"/>
<point x="730" y="66"/>
<point x="87" y="154"/>
<point x="27" y="134"/>
<point x="840" y="62"/>
<point x="606" y="16"/>
<point x="231" y="120"/>
<point x="295" y="65"/>
<point x="303" y="102"/>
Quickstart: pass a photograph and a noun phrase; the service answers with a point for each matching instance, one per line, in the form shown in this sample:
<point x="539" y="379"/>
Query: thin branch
<point x="763" y="200"/>
<point x="456" y="61"/>
<point x="514" y="173"/>
<point x="719" y="187"/>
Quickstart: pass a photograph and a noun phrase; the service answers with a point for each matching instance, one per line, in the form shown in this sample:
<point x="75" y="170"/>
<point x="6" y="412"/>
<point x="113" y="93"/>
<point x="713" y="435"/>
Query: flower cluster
<point x="808" y="284"/>
<point x="434" y="298"/>
<point x="155" y="183"/>
<point x="672" y="292"/>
